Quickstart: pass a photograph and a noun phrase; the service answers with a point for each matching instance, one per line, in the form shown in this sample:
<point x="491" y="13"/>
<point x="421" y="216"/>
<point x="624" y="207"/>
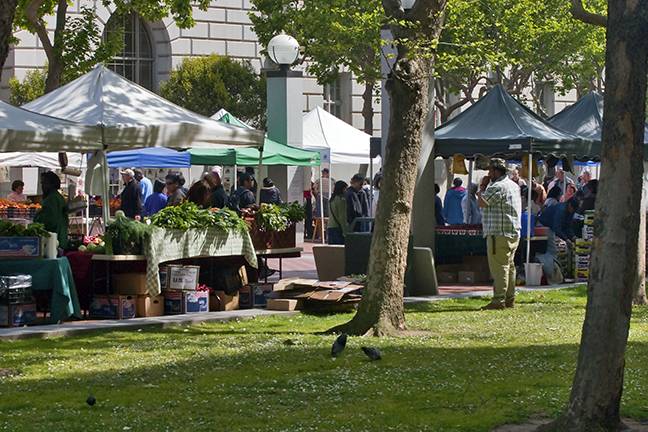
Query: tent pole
<point x="470" y="180"/>
<point x="106" y="188"/>
<point x="258" y="191"/>
<point x="321" y="203"/>
<point x="371" y="188"/>
<point x="235" y="181"/>
<point x="530" y="177"/>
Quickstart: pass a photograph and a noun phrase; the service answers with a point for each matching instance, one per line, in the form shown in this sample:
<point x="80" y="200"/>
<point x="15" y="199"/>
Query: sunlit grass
<point x="457" y="369"/>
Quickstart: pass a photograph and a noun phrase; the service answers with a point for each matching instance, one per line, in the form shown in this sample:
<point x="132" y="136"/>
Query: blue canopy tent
<point x="153" y="157"/>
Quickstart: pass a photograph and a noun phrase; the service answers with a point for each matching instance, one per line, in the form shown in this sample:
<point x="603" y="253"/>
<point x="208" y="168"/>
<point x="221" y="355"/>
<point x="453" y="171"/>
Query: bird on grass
<point x="338" y="345"/>
<point x="372" y="353"/>
<point x="91" y="400"/>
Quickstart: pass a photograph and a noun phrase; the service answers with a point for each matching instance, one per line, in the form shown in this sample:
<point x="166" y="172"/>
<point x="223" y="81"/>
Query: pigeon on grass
<point x="372" y="353"/>
<point x="338" y="345"/>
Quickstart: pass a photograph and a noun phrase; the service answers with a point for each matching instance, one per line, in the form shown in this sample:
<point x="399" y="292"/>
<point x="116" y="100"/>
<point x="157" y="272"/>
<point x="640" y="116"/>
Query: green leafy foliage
<point x="207" y="84"/>
<point x="273" y="217"/>
<point x="125" y="236"/>
<point x="9" y="229"/>
<point x="32" y="87"/>
<point x="189" y="216"/>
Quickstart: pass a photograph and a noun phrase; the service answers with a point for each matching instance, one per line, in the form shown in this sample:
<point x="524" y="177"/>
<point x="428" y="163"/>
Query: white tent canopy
<point x="337" y="141"/>
<point x="133" y="117"/>
<point x="22" y="130"/>
<point x="41" y="159"/>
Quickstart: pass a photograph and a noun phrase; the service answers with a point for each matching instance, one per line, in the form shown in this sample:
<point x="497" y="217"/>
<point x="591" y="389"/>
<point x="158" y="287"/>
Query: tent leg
<point x="258" y="191"/>
<point x="530" y="177"/>
<point x="321" y="203"/>
<point x="106" y="190"/>
<point x="371" y="185"/>
<point x="468" y="217"/>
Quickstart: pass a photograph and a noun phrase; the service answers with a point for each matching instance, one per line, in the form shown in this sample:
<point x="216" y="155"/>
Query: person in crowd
<point x="327" y="181"/>
<point x="570" y="192"/>
<point x="243" y="197"/>
<point x="270" y="194"/>
<point x="553" y="197"/>
<point x="559" y="180"/>
<point x="131" y="196"/>
<point x="338" y="225"/>
<point x="452" y="203"/>
<point x="589" y="196"/>
<point x="501" y="211"/>
<point x="250" y="171"/>
<point x="146" y="187"/>
<point x="157" y="200"/>
<point x="174" y="183"/>
<point x="17" y="192"/>
<point x="53" y="212"/>
<point x="585" y="177"/>
<point x="524" y="196"/>
<point x="470" y="206"/>
<point x="515" y="176"/>
<point x="219" y="197"/>
<point x="366" y="188"/>
<point x="541" y="194"/>
<point x="200" y="194"/>
<point x="558" y="218"/>
<point x="357" y="206"/>
<point x="376" y="194"/>
<point x="438" y="207"/>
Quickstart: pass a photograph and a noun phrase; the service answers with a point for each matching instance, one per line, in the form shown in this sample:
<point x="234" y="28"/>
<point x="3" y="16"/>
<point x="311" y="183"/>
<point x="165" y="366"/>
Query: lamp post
<point x="285" y="110"/>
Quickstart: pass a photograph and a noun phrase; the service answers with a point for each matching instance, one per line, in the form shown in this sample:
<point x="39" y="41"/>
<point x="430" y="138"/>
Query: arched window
<point x="135" y="62"/>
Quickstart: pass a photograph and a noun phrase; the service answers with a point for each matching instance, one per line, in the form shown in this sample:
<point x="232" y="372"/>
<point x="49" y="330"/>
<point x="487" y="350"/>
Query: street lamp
<point x="283" y="50"/>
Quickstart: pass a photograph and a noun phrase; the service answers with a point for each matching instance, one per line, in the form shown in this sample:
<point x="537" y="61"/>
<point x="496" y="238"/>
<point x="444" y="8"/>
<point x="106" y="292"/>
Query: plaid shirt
<point x="501" y="216"/>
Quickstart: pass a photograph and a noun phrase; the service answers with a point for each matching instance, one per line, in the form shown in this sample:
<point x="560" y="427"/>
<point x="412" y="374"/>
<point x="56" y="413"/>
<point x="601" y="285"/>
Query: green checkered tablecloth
<point x="169" y="245"/>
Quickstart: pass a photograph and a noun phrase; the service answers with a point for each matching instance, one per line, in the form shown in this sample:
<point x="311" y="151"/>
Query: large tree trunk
<point x="598" y="383"/>
<point x="367" y="107"/>
<point x="381" y="310"/>
<point x="54" y="52"/>
<point x="7" y="13"/>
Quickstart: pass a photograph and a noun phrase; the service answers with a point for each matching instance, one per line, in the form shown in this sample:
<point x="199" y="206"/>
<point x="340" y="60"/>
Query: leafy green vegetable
<point x="272" y="217"/>
<point x="10" y="229"/>
<point x="125" y="236"/>
<point x="188" y="215"/>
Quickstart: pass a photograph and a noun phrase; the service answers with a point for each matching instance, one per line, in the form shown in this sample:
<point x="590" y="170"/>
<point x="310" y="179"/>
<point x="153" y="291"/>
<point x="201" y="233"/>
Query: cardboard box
<point x="182" y="277"/>
<point x="147" y="306"/>
<point x="163" y="277"/>
<point x="21" y="247"/>
<point x="254" y="295"/>
<point x="229" y="279"/>
<point x="445" y="277"/>
<point x="285" y="304"/>
<point x="17" y="315"/>
<point x="173" y="304"/>
<point x="129" y="283"/>
<point x="220" y="301"/>
<point x="112" y="307"/>
<point x="246" y="298"/>
<point x="195" y="301"/>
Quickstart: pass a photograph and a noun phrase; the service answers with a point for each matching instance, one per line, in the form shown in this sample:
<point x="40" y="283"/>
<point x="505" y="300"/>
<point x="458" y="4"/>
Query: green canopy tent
<point x="274" y="153"/>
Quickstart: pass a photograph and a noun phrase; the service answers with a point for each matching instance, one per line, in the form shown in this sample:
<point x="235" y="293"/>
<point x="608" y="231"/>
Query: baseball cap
<point x="128" y="172"/>
<point x="497" y="163"/>
<point x="217" y="170"/>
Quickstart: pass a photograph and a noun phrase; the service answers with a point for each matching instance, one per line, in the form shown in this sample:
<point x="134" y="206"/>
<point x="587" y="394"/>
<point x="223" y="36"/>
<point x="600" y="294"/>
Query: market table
<point x="280" y="254"/>
<point x="49" y="274"/>
<point x="170" y="245"/>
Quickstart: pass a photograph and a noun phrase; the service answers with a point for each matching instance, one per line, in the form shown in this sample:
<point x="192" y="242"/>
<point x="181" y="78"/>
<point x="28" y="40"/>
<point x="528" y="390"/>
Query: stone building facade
<point x="155" y="48"/>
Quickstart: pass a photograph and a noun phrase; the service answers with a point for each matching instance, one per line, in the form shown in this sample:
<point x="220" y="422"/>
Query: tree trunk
<point x="640" y="285"/>
<point x="598" y="383"/>
<point x="55" y="65"/>
<point x="381" y="310"/>
<point x="7" y="13"/>
<point x="367" y="107"/>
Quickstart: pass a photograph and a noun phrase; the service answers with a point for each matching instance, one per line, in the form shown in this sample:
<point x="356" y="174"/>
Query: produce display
<point x="125" y="236"/>
<point x="93" y="244"/>
<point x="10" y="209"/>
<point x="5" y="204"/>
<point x="188" y="215"/>
<point x="8" y="229"/>
<point x="273" y="217"/>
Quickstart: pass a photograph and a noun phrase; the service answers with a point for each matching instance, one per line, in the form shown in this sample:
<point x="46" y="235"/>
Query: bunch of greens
<point x="294" y="211"/>
<point x="9" y="229"/>
<point x="272" y="217"/>
<point x="125" y="236"/>
<point x="188" y="215"/>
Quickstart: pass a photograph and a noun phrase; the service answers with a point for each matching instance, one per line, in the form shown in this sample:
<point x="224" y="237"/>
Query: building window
<point x="333" y="98"/>
<point x="135" y="62"/>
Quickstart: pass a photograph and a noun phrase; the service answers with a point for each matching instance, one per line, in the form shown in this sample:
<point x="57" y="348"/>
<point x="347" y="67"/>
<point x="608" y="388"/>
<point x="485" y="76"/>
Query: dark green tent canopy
<point x="585" y="119"/>
<point x="274" y="153"/>
<point x="497" y="124"/>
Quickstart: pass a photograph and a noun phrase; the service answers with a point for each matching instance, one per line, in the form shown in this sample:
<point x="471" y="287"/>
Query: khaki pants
<point x="501" y="251"/>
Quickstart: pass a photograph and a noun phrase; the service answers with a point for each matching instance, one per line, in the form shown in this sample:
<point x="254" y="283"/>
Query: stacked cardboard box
<point x="181" y="294"/>
<point x="473" y="270"/>
<point x="583" y="249"/>
<point x="17" y="307"/>
<point x="134" y="284"/>
<point x="309" y="294"/>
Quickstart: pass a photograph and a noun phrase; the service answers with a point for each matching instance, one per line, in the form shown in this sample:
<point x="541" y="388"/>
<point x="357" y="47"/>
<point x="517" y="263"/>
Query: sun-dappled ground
<point x="457" y="369"/>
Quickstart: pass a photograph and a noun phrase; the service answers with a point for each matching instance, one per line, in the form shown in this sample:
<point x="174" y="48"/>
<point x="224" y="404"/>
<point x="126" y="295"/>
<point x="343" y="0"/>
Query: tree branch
<point x="579" y="12"/>
<point x="31" y="13"/>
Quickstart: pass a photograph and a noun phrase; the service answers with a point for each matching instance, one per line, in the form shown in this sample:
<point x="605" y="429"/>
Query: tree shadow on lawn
<point x="265" y="385"/>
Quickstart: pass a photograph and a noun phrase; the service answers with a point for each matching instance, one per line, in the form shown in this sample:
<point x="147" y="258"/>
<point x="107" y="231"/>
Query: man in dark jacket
<point x="243" y="197"/>
<point x="131" y="197"/>
<point x="219" y="197"/>
<point x="357" y="205"/>
<point x="270" y="194"/>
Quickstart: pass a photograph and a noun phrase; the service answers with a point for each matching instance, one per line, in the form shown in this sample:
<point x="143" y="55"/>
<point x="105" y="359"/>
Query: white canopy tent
<point x="22" y="130"/>
<point x="47" y="160"/>
<point x="130" y="117"/>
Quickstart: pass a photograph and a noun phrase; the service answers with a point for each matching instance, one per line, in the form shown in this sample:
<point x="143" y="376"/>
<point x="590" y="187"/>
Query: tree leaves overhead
<point x="207" y="84"/>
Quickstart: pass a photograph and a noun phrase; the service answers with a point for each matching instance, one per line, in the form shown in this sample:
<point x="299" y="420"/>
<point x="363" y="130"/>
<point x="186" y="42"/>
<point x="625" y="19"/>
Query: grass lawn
<point x="458" y="369"/>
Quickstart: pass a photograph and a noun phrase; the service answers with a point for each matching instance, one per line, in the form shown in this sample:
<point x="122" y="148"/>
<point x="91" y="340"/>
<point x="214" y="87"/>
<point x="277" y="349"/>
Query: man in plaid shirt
<point x="502" y="206"/>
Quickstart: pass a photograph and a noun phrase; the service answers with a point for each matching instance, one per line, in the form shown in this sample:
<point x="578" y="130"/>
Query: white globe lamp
<point x="283" y="50"/>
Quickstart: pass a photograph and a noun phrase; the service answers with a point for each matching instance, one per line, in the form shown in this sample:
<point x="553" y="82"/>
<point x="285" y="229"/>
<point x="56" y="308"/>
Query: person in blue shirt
<point x="438" y="207"/>
<point x="157" y="200"/>
<point x="452" y="204"/>
<point x="558" y="218"/>
<point x="146" y="187"/>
